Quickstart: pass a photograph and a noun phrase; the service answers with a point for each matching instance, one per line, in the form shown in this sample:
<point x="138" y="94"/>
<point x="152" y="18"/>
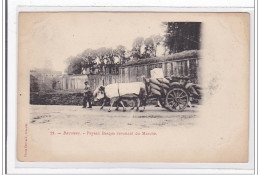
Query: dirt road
<point x="59" y="116"/>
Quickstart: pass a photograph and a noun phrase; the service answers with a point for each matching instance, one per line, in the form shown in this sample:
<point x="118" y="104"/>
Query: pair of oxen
<point x="116" y="93"/>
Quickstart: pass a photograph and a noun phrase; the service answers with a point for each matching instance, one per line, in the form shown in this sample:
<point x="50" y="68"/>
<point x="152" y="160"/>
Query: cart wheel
<point x="176" y="99"/>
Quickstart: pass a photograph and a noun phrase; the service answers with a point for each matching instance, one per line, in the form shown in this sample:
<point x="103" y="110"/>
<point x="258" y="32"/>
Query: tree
<point x="136" y="47"/>
<point x="100" y="59"/>
<point x="101" y="54"/>
<point x="75" y="65"/>
<point x="120" y="52"/>
<point x="182" y="36"/>
<point x="109" y="55"/>
<point x="89" y="56"/>
<point x="149" y="47"/>
<point x="157" y="39"/>
<point x="89" y="60"/>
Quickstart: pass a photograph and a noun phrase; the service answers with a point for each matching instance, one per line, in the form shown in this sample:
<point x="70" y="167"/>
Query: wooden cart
<point x="175" y="93"/>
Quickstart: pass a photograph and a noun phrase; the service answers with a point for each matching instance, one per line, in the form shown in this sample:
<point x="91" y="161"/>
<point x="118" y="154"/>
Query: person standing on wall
<point x="87" y="96"/>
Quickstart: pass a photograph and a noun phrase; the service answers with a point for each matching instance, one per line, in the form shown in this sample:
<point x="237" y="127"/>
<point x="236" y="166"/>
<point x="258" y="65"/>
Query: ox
<point x="119" y="91"/>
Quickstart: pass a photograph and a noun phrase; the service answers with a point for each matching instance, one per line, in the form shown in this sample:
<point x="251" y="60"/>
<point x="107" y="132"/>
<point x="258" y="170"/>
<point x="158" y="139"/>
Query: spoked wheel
<point x="176" y="99"/>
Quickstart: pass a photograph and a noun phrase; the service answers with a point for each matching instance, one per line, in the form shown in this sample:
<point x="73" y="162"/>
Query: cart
<point x="174" y="93"/>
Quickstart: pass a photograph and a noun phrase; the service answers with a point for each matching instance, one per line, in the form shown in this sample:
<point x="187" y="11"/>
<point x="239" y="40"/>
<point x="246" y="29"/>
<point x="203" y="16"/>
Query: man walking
<point x="87" y="96"/>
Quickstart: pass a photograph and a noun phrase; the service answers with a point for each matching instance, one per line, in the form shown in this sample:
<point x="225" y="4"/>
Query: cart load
<point x="174" y="93"/>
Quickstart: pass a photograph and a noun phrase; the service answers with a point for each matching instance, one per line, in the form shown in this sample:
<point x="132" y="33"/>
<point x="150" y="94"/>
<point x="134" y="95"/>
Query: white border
<point x="138" y="3"/>
<point x="2" y="88"/>
<point x="116" y="168"/>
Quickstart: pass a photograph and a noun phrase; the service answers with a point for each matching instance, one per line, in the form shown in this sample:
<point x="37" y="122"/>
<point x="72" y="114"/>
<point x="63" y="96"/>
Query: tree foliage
<point x="151" y="43"/>
<point x="182" y="36"/>
<point x="179" y="36"/>
<point x="98" y="59"/>
<point x="136" y="47"/>
<point x="149" y="48"/>
<point x="157" y="40"/>
<point x="75" y="65"/>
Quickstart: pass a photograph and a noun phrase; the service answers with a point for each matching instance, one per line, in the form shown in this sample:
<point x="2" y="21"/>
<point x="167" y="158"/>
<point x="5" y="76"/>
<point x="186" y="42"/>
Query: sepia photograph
<point x="133" y="87"/>
<point x="158" y="72"/>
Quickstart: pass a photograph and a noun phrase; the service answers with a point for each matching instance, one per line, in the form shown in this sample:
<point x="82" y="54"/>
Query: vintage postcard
<point x="133" y="87"/>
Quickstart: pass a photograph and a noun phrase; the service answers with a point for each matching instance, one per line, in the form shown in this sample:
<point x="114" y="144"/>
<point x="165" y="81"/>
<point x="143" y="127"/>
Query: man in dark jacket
<point x="87" y="96"/>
